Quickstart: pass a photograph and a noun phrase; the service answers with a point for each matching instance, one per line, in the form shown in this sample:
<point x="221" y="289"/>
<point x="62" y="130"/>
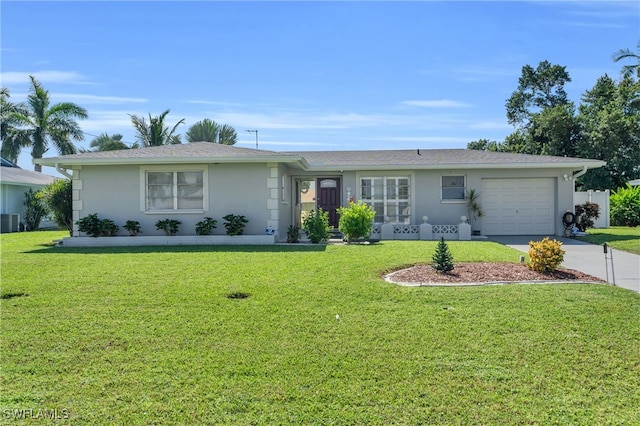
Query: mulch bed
<point x="485" y="272"/>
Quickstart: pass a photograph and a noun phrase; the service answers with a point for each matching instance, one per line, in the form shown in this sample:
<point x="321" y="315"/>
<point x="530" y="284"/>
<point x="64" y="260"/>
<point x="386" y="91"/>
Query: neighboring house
<point x="520" y="194"/>
<point x="14" y="182"/>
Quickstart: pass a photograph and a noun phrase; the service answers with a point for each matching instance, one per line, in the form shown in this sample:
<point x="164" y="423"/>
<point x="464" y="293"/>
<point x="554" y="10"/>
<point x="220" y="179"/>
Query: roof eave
<point x="70" y="162"/>
<point x="568" y="165"/>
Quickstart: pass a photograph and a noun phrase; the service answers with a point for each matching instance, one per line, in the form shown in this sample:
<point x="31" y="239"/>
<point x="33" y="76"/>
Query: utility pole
<point x="256" y="132"/>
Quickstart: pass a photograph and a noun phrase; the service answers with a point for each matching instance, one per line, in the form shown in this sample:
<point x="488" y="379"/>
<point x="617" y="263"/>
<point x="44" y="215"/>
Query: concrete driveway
<point x="588" y="258"/>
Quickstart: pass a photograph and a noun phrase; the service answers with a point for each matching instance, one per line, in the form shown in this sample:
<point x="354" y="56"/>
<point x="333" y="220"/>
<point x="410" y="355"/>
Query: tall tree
<point x="155" y="133"/>
<point x="629" y="70"/>
<point x="8" y="110"/>
<point x="209" y="131"/>
<point x="610" y="118"/>
<point x="541" y="112"/>
<point x="483" y="145"/>
<point x="539" y="88"/>
<point x="40" y="124"/>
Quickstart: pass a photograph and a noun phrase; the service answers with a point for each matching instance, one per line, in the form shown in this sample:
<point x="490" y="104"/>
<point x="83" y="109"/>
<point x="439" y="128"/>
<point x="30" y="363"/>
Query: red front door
<point x="328" y="198"/>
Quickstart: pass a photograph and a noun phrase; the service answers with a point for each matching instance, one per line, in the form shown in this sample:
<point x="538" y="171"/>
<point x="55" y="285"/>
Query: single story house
<point x="14" y="182"/>
<point x="519" y="194"/>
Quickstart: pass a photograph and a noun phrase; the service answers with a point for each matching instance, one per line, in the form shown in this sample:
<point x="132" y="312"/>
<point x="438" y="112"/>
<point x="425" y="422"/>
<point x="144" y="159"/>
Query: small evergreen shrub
<point x="133" y="227"/>
<point x="93" y="226"/>
<point x="293" y="234"/>
<point x="625" y="206"/>
<point x="235" y="224"/>
<point x="356" y="221"/>
<point x="169" y="226"/>
<point x="316" y="225"/>
<point x="108" y="227"/>
<point x="206" y="226"/>
<point x="586" y="214"/>
<point x="442" y="260"/>
<point x="545" y="255"/>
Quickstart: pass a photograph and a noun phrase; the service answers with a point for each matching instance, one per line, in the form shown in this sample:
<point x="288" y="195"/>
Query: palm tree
<point x="628" y="70"/>
<point x="209" y="131"/>
<point x="106" y="142"/>
<point x="38" y="124"/>
<point x="154" y="133"/>
<point x="7" y="125"/>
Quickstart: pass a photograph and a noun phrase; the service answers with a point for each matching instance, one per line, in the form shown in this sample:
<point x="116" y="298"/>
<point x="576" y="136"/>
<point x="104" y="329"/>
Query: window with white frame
<point x="174" y="190"/>
<point x="389" y="197"/>
<point x="452" y="188"/>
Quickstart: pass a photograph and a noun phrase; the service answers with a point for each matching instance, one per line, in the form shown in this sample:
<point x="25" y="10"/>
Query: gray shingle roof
<point x="206" y="152"/>
<point x="421" y="158"/>
<point x="18" y="176"/>
<point x="202" y="150"/>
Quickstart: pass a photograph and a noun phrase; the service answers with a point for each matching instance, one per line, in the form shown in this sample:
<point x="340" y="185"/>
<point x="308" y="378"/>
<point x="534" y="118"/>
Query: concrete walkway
<point x="588" y="258"/>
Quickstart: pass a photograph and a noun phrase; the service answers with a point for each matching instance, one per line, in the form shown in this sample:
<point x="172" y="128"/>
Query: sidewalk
<point x="588" y="258"/>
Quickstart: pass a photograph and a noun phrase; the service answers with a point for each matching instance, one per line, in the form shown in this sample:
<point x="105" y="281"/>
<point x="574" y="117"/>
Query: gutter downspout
<point x="577" y="175"/>
<point x="63" y="171"/>
<point x="580" y="173"/>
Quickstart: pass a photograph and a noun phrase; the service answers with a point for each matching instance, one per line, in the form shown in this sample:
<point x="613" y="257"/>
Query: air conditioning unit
<point x="9" y="223"/>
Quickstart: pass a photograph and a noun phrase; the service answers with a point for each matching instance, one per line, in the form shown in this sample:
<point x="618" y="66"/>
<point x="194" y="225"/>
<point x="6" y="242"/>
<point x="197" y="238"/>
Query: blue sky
<point x="308" y="75"/>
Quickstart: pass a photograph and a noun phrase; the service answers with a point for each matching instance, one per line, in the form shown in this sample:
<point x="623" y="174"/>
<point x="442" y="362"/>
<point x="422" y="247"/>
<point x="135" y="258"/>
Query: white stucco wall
<point x="256" y="191"/>
<point x="426" y="191"/>
<point x="12" y="198"/>
<point x="114" y="192"/>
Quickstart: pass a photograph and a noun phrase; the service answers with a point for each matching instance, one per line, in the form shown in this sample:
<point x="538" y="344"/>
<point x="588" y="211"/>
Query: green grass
<point x="149" y="336"/>
<point x="619" y="237"/>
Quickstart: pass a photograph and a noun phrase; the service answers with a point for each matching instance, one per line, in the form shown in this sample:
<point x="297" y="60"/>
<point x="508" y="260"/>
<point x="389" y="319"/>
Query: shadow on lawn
<point x="603" y="237"/>
<point x="280" y="248"/>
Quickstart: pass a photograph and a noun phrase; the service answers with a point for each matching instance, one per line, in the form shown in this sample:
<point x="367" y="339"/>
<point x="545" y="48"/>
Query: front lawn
<point x="150" y="336"/>
<point x="619" y="237"/>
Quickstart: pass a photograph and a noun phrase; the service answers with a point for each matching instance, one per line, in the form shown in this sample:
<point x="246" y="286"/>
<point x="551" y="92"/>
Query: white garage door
<point x="518" y="206"/>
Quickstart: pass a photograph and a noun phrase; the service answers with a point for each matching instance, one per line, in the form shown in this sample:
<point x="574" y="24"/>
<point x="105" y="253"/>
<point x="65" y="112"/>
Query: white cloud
<point x="490" y="125"/>
<point x="437" y="103"/>
<point x="50" y="76"/>
<point x="308" y="120"/>
<point x="97" y="99"/>
<point x="107" y="121"/>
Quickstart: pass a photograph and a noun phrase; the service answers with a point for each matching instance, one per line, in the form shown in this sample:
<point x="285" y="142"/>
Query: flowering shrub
<point x="545" y="255"/>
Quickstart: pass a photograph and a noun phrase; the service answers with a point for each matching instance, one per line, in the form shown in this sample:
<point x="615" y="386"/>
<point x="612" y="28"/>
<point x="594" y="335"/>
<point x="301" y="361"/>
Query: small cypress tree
<point x="442" y="259"/>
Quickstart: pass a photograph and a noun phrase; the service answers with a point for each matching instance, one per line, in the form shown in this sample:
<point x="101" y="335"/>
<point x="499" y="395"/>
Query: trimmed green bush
<point x="169" y="226"/>
<point x="206" y="226"/>
<point x="625" y="206"/>
<point x="316" y="225"/>
<point x="356" y="221"/>
<point x="133" y="227"/>
<point x="235" y="223"/>
<point x="96" y="227"/>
